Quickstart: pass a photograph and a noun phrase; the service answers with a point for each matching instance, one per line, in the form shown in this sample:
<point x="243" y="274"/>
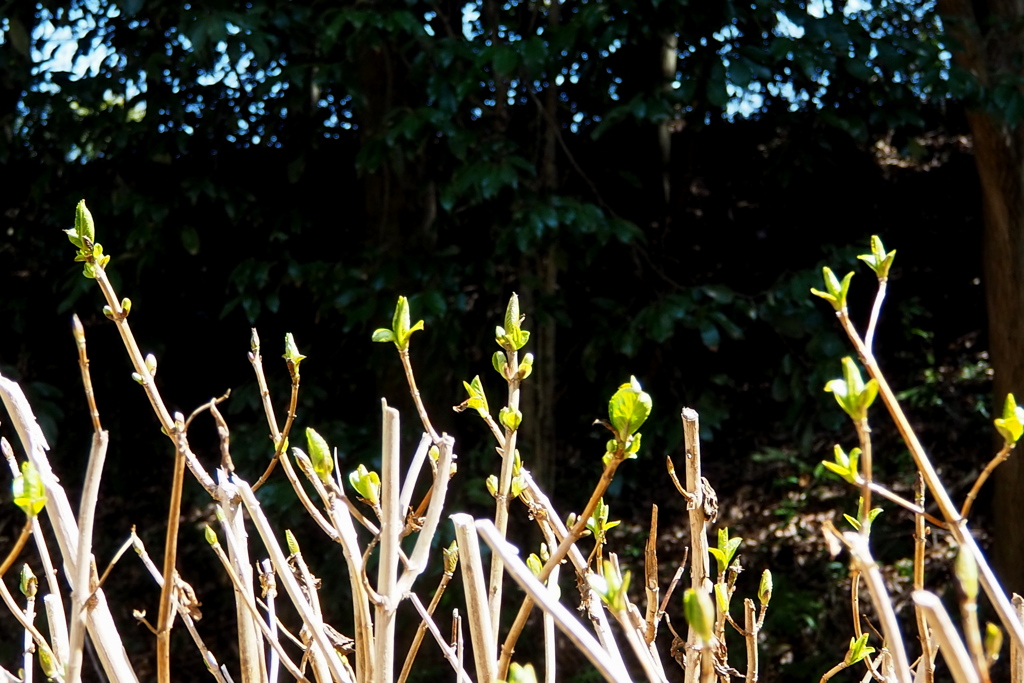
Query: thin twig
<point x="16" y="549"/>
<point x="876" y="308"/>
<point x="403" y="355"/>
<point x="999" y="458"/>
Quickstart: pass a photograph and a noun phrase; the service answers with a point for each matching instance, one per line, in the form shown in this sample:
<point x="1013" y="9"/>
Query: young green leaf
<point x="400" y="325"/>
<point x="878" y="260"/>
<point x="477" y="398"/>
<point x="846" y="466"/>
<point x="858" y="650"/>
<point x="852" y="394"/>
<point x="1011" y="425"/>
<point x="382" y="334"/>
<point x="835" y="291"/>
<point x="29" y="492"/>
<point x="500" y="363"/>
<point x="628" y="409"/>
<point x="85" y="228"/>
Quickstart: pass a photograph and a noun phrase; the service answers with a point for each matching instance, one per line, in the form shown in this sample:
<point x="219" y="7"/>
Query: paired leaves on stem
<point x="401" y="329"/>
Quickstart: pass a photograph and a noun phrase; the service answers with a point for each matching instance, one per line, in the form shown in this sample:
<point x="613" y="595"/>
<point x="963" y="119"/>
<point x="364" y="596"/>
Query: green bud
<point x="211" y="536"/>
<point x="48" y="663"/>
<point x="139" y="379"/>
<point x="29" y="492"/>
<point x="151" y="363"/>
<point x="722" y="597"/>
<point x="254" y="341"/>
<point x="764" y="591"/>
<point x="291" y="351"/>
<point x="85" y="227"/>
<point x="434" y="453"/>
<point x="500" y="363"/>
<point x="966" y="570"/>
<point x="510" y="418"/>
<point x="451" y="557"/>
<point x="700" y="613"/>
<point x="289" y="539"/>
<point x="126" y="306"/>
<point x="521" y="674"/>
<point x="28" y="584"/>
<point x="534" y="563"/>
<point x="492" y="485"/>
<point x="109" y="313"/>
<point x="525" y="367"/>
<point x="319" y="455"/>
<point x="366" y="484"/>
<point x="993" y="642"/>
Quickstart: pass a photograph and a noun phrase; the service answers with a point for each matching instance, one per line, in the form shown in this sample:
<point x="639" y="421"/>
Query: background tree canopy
<point x="659" y="181"/>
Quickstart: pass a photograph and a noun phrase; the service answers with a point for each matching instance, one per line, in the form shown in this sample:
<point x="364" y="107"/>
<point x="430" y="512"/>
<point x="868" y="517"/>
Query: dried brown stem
<point x="19" y="544"/>
<point x="651" y="577"/>
<point x="926" y="667"/>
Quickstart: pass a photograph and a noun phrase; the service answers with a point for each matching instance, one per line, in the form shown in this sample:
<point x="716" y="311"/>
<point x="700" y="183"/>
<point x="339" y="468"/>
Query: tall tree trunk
<point x="539" y="280"/>
<point x="999" y="157"/>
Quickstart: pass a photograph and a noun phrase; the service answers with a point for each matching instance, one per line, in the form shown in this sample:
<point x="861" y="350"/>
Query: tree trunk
<point x="998" y="155"/>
